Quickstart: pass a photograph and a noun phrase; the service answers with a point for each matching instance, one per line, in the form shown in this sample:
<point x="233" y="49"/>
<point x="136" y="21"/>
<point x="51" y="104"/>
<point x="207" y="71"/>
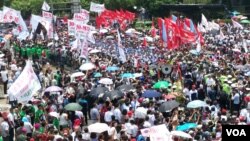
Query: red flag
<point x="144" y="43"/>
<point x="153" y="30"/>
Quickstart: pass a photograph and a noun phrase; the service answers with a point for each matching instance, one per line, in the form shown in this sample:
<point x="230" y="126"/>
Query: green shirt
<point x="56" y="123"/>
<point x="23" y="51"/>
<point x="33" y="50"/>
<point x="38" y="115"/>
<point x="47" y="51"/>
<point x="29" y="51"/>
<point x="39" y="51"/>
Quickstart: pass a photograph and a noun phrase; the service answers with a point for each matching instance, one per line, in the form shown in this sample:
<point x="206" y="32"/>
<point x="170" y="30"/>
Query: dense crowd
<point x="129" y="100"/>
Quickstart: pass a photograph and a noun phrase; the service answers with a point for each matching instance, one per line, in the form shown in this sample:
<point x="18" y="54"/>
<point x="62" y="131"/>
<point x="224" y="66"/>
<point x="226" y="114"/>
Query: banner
<point x="95" y="7"/>
<point x="160" y="137"/>
<point x="82" y="30"/>
<point x="160" y="129"/>
<point x="85" y="13"/>
<point x="84" y="49"/>
<point x="48" y="16"/>
<point x="9" y="14"/>
<point x="71" y="27"/>
<point x="26" y="85"/>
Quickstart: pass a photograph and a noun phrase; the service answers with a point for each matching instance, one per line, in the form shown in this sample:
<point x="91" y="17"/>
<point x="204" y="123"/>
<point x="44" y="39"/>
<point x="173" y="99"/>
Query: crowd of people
<point x="217" y="76"/>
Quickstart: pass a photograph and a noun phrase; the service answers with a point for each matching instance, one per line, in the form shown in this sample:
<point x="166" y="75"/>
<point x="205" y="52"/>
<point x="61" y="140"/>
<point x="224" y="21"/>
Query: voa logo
<point x="236" y="132"/>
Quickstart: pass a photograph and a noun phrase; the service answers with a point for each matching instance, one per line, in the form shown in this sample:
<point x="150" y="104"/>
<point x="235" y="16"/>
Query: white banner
<point x="95" y="7"/>
<point x="26" y="85"/>
<point x="84" y="49"/>
<point x="160" y="137"/>
<point x="82" y="30"/>
<point x="71" y="27"/>
<point x="82" y="17"/>
<point x="48" y="16"/>
<point x="12" y="15"/>
<point x="162" y="129"/>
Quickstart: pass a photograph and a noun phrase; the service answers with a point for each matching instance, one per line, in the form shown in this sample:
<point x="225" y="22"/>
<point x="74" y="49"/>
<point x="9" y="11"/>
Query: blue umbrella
<point x="128" y="75"/>
<point x="112" y="68"/>
<point x="186" y="126"/>
<point x="151" y="94"/>
<point x="98" y="74"/>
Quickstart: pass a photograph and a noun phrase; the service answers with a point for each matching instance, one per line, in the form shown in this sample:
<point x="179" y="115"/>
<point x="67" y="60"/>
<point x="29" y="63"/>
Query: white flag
<point x="84" y="49"/>
<point x="45" y="6"/>
<point x="95" y="7"/>
<point x="204" y="21"/>
<point x="198" y="46"/>
<point x="26" y="85"/>
<point x="236" y="24"/>
<point x="91" y="38"/>
<point x="122" y="55"/>
<point x="1" y="16"/>
<point x="221" y="36"/>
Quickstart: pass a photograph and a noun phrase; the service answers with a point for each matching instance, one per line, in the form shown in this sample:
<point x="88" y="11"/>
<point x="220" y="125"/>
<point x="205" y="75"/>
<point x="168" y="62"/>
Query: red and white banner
<point x="80" y="17"/>
<point x="48" y="16"/>
<point x="95" y="7"/>
<point x="82" y="30"/>
<point x="12" y="15"/>
<point x="71" y="27"/>
<point x="84" y="49"/>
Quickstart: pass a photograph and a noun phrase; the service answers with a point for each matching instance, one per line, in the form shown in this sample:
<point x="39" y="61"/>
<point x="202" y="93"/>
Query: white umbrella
<point x="110" y="37"/>
<point x="106" y="81"/>
<point x="196" y="104"/>
<point x="130" y="31"/>
<point x="236" y="50"/>
<point x="2" y="55"/>
<point x="148" y="39"/>
<point x="98" y="127"/>
<point x="87" y="66"/>
<point x="103" y="31"/>
<point x="94" y="51"/>
<point x="247" y="74"/>
<point x="136" y="75"/>
<point x="54" y="114"/>
<point x="180" y="134"/>
<point x="77" y="74"/>
<point x="141" y="112"/>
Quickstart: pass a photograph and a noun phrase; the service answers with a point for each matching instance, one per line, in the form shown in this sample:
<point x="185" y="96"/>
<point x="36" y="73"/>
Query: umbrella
<point x="97" y="91"/>
<point x="151" y="94"/>
<point x="127" y="75"/>
<point x="180" y="134"/>
<point x="194" y="52"/>
<point x="141" y="112"/>
<point x="87" y="66"/>
<point x="2" y="55"/>
<point x="73" y="107"/>
<point x="98" y="74"/>
<point x="112" y="68"/>
<point x="54" y="114"/>
<point x="186" y="126"/>
<point x="168" y="106"/>
<point x="196" y="104"/>
<point x="98" y="127"/>
<point x="94" y="51"/>
<point x="136" y="75"/>
<point x="245" y="21"/>
<point x="103" y="31"/>
<point x="236" y="50"/>
<point x="161" y="84"/>
<point x="170" y="96"/>
<point x="53" y="89"/>
<point x="77" y="74"/>
<point x="130" y="31"/>
<point x="125" y="88"/>
<point x="106" y="81"/>
<point x="113" y="95"/>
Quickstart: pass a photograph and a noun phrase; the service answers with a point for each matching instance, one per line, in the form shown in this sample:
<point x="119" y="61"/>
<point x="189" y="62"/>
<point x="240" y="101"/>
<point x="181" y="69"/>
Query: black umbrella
<point x="97" y="91"/>
<point x="168" y="106"/>
<point x="113" y="95"/>
<point x="125" y="88"/>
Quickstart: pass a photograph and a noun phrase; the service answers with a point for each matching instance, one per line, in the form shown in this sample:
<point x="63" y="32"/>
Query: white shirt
<point x="134" y="130"/>
<point x="236" y="98"/>
<point x="11" y="119"/>
<point x="146" y="124"/>
<point x="108" y="116"/>
<point x="4" y="129"/>
<point x="79" y="114"/>
<point x="28" y="127"/>
<point x="11" y="97"/>
<point x="4" y="75"/>
<point x="117" y="114"/>
<point x="56" y="137"/>
<point x="63" y="119"/>
<point x="112" y="132"/>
